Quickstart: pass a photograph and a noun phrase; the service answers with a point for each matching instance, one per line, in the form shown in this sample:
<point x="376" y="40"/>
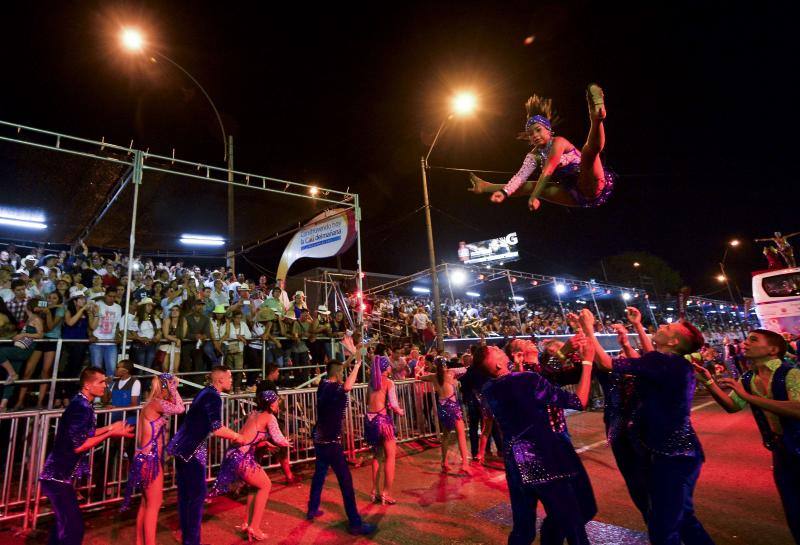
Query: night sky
<point x="702" y="112"/>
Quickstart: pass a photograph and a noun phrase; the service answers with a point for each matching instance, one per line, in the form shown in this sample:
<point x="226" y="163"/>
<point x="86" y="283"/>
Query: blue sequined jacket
<point x="665" y="387"/>
<point x="331" y="406"/>
<point x="77" y="424"/>
<point x="519" y="402"/>
<point x="203" y="418"/>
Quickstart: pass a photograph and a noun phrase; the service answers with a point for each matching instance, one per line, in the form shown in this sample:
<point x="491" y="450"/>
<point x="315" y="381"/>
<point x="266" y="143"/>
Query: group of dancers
<point x="647" y="419"/>
<point x="648" y="399"/>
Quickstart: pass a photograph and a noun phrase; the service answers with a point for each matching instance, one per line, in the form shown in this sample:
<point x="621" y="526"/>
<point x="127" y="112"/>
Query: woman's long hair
<point x="440" y="370"/>
<point x="158" y="390"/>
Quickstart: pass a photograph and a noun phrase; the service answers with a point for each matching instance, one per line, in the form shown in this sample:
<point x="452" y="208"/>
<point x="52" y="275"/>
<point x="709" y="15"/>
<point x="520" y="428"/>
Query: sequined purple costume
<point x="377" y="427"/>
<point x="449" y="410"/>
<point x="147" y="462"/>
<point x="566" y="175"/>
<point x="241" y="460"/>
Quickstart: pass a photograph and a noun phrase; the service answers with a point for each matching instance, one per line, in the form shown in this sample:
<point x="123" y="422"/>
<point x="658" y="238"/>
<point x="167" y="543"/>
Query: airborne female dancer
<point x="240" y="463"/>
<point x="379" y="426"/>
<point x="564" y="175"/>
<point x="449" y="409"/>
<point x="146" y="471"/>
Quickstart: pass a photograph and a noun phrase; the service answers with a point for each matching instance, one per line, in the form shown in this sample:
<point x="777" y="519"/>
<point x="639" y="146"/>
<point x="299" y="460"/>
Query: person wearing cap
<point x="219" y="295"/>
<point x="235" y="339"/>
<point x="321" y="327"/>
<point x="197" y="340"/>
<point x="145" y="333"/>
<point x="243" y="303"/>
<point x="49" y="262"/>
<point x="298" y="304"/>
<point x="27" y="265"/>
<point x="267" y="329"/>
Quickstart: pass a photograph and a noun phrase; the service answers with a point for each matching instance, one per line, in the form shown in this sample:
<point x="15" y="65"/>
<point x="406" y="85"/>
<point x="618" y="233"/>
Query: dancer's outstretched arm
<point x="553" y="160"/>
<point x="635" y="318"/>
<point x="625" y="345"/>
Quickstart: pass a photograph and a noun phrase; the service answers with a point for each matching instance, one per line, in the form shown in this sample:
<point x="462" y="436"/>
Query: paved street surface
<point x="736" y="499"/>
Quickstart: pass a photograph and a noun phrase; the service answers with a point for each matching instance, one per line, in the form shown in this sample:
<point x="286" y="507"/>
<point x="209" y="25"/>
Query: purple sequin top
<point x="566" y="174"/>
<point x="77" y="424"/>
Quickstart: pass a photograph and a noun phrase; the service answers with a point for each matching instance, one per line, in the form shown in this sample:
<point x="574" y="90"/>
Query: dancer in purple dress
<point x="241" y="463"/>
<point x="563" y="174"/>
<point x="379" y="426"/>
<point x="146" y="472"/>
<point x="449" y="409"/>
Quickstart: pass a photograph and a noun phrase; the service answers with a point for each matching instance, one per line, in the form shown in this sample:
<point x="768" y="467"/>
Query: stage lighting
<point x="535" y="283"/>
<point x="518" y="298"/>
<point x="626" y="296"/>
<point x="561" y="288"/>
<point x="481" y="277"/>
<point x="420" y="289"/>
<point x="458" y="277"/>
<point x="574" y="287"/>
<point x="202" y="240"/>
<point x="513" y="279"/>
<point x="473" y="294"/>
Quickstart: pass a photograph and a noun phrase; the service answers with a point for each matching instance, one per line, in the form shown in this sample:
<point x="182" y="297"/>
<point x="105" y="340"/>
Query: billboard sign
<point x="502" y="249"/>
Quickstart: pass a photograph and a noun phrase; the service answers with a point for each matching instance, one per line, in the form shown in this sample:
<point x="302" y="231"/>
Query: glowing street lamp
<point x="132" y="39"/>
<point x="734" y="243"/>
<point x="462" y="104"/>
<point x="721" y="278"/>
<point x="636" y="264"/>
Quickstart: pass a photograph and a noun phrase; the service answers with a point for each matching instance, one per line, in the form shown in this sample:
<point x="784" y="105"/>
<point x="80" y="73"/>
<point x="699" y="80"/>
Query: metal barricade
<point x="29" y="436"/>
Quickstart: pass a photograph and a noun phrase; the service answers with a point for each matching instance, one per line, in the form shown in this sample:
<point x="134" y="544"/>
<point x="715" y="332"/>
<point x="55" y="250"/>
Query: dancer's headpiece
<point x="379" y="365"/>
<point x="270" y="396"/>
<point x="540" y="110"/>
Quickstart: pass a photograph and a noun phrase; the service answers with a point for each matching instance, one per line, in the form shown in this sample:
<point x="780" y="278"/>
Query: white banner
<point x="326" y="235"/>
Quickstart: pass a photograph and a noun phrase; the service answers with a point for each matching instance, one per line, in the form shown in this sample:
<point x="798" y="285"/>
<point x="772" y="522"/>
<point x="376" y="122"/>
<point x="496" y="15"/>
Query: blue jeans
<point x="191" y="479"/>
<point x="104" y="356"/>
<point x="272" y="354"/>
<point x="68" y="527"/>
<point x="144" y="354"/>
<point x="671" y="519"/>
<point x="332" y="455"/>
<point x="786" y="471"/>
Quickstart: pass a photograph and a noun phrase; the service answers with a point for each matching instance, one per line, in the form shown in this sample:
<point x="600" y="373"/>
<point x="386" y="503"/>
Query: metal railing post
<point x="54" y="376"/>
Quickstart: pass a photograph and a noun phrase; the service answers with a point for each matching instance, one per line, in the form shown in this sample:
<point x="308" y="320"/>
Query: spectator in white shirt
<point x="236" y="335"/>
<point x="104" y="318"/>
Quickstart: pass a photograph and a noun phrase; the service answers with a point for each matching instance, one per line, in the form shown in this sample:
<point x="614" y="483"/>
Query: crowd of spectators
<point x="181" y="319"/>
<point x="398" y="316"/>
<point x="185" y="319"/>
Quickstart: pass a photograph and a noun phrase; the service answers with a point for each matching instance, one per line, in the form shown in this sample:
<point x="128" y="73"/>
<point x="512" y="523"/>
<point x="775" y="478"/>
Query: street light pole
<point x="462" y="104"/>
<point x="437" y="307"/>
